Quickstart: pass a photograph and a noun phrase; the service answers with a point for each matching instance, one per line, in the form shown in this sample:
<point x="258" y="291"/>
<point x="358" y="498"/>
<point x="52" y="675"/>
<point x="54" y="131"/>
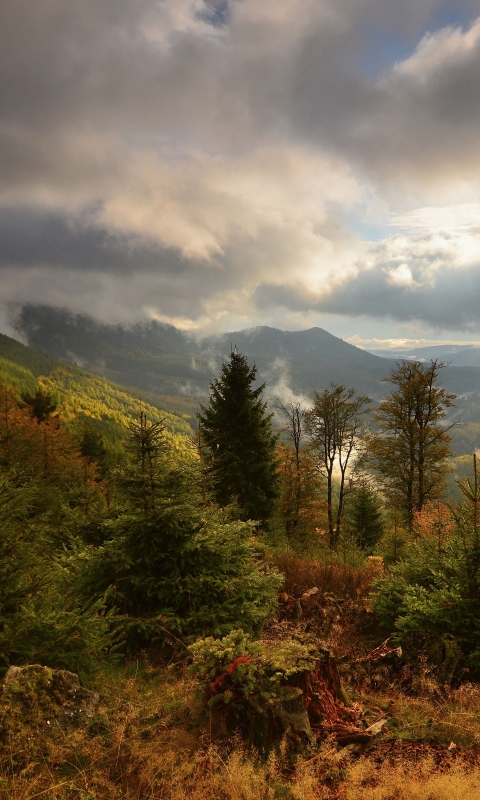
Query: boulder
<point x="48" y="702"/>
<point x="309" y="598"/>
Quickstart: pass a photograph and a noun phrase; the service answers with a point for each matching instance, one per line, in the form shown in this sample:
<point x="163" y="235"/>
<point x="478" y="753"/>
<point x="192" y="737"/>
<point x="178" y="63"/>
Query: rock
<point x="307" y="599"/>
<point x="376" y="728"/>
<point x="48" y="702"/>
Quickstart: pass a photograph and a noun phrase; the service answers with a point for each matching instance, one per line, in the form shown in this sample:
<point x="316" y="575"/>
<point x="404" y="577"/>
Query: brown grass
<point x="441" y="715"/>
<point x="147" y="742"/>
<point x="420" y="781"/>
<point x="342" y="581"/>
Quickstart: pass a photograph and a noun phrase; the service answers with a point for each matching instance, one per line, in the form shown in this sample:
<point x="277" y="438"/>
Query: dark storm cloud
<point x="140" y="69"/>
<point x="34" y="238"/>
<point x="451" y="302"/>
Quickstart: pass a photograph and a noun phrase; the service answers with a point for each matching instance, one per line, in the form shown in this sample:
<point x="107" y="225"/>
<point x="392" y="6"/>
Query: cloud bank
<point x="221" y="163"/>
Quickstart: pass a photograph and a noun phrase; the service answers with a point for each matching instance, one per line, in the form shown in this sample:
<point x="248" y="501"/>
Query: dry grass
<point x="343" y="581"/>
<point x="147" y="743"/>
<point x="420" y="781"/>
<point x="442" y="716"/>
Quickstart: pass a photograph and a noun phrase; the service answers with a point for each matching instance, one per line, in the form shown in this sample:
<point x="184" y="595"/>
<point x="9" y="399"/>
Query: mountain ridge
<point x="158" y="358"/>
<point x="172" y="370"/>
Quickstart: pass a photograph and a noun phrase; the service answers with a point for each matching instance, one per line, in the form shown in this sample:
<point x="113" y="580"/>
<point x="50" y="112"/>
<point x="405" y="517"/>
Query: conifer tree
<point x="364" y="518"/>
<point x="171" y="564"/>
<point x="40" y="405"/>
<point x="238" y="443"/>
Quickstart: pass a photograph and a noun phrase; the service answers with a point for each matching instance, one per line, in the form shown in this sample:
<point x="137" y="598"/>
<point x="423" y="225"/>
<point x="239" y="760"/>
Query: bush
<point x="247" y="682"/>
<point x="39" y="621"/>
<point x="436" y="589"/>
<point x="340" y="580"/>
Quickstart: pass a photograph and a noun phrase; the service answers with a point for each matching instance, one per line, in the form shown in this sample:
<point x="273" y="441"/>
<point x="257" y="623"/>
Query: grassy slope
<point x="83" y="397"/>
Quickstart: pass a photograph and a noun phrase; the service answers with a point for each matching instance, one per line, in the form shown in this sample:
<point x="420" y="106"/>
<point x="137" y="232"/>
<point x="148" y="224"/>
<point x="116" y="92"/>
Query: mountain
<point x="172" y="369"/>
<point x="158" y="358"/>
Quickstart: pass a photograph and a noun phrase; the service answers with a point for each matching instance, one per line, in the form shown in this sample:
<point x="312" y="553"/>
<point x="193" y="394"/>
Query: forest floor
<point x="150" y="737"/>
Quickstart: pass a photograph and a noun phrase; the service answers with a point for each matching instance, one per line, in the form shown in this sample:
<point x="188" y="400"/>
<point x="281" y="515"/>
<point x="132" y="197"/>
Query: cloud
<point x="429" y="273"/>
<point x="421" y="119"/>
<point x="206" y="161"/>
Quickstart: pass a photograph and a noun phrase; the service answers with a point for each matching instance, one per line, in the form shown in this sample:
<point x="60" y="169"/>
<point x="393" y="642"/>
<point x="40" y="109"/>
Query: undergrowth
<point x="148" y="741"/>
<point x="339" y="580"/>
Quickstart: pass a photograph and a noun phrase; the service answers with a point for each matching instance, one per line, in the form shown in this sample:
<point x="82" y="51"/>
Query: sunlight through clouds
<point x="217" y="162"/>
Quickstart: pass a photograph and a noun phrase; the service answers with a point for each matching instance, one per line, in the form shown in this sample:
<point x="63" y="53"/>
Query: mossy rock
<point x="45" y="701"/>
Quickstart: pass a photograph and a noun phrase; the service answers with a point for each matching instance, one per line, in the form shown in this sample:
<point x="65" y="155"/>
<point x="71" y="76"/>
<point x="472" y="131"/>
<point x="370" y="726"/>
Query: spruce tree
<point x="238" y="443"/>
<point x="40" y="405"/>
<point x="173" y="565"/>
<point x="364" y="518"/>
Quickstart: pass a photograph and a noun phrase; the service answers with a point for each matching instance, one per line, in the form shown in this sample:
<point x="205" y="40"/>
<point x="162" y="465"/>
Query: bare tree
<point x="294" y="413"/>
<point x="335" y="426"/>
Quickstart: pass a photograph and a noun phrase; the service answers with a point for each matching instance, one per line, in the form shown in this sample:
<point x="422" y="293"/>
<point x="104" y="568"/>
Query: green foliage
<point x="40" y="621"/>
<point x="45" y="488"/>
<point x="93" y="448"/>
<point x="86" y="400"/>
<point x="238" y="443"/>
<point x="436" y="589"/>
<point x="249" y="681"/>
<point x="364" y="518"/>
<point x="169" y="563"/>
<point x="33" y="362"/>
<point x="232" y="672"/>
<point x="40" y="404"/>
<point x="17" y="376"/>
<point x="411" y="450"/>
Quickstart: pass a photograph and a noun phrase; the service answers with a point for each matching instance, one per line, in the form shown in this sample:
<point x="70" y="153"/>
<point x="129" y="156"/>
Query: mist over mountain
<point x="158" y="358"/>
<point x="456" y="355"/>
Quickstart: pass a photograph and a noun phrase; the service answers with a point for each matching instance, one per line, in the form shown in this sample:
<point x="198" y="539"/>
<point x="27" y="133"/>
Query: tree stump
<point x="320" y="703"/>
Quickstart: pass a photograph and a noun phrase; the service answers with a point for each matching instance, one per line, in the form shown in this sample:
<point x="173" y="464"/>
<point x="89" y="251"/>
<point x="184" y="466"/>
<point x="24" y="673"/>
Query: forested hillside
<point x="87" y="399"/>
<point x="249" y="616"/>
<point x="156" y="359"/>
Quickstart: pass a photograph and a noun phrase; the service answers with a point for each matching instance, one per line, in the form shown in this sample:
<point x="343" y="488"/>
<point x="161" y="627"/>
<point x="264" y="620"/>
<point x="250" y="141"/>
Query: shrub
<point x="39" y="619"/>
<point x="248" y="682"/>
<point x="436" y="589"/>
<point x="340" y="580"/>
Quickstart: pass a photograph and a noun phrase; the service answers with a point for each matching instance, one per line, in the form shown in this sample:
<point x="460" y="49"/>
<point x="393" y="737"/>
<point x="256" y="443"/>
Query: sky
<point x="223" y="164"/>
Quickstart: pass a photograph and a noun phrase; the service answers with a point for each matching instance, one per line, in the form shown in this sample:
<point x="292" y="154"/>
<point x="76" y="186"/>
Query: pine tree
<point x="364" y="518"/>
<point x="40" y="405"/>
<point x="170" y="564"/>
<point x="238" y="443"/>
